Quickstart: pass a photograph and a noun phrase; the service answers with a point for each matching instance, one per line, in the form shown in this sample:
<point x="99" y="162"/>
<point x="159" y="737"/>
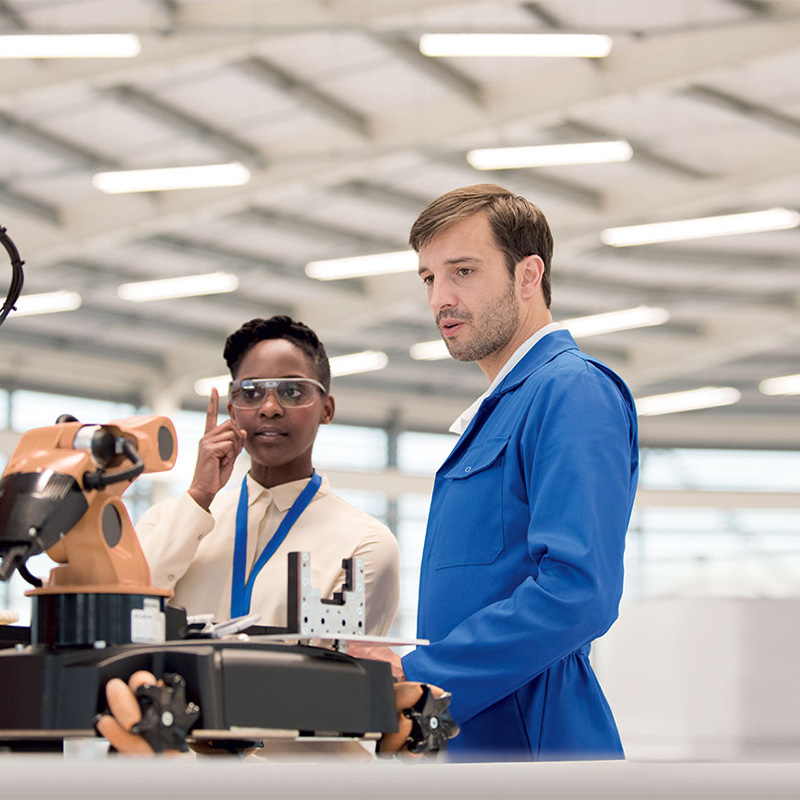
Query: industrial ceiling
<point x="348" y="132"/>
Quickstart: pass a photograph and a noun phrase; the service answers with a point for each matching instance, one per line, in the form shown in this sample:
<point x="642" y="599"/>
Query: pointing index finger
<point x="213" y="411"/>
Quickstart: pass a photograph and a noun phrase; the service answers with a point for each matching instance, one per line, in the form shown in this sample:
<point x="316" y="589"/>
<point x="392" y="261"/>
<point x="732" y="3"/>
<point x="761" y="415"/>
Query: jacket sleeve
<point x="578" y="462"/>
<point x="170" y="533"/>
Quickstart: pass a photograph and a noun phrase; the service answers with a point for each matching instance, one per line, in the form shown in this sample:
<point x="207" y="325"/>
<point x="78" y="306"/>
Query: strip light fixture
<point x="579" y="327"/>
<point x="528" y="45"/>
<point x="366" y="361"/>
<point x="772" y="219"/>
<point x="78" y="45"/>
<point x="692" y="400"/>
<point x="785" y="384"/>
<point x="46" y="303"/>
<point x="550" y="155"/>
<point x="627" y="319"/>
<point x="206" y="176"/>
<point x="170" y="288"/>
<point x="334" y="269"/>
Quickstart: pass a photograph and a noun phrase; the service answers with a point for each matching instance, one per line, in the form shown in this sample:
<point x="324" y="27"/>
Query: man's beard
<point x="499" y="321"/>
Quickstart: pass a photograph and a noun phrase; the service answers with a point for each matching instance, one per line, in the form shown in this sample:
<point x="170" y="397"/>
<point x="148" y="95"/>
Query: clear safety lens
<point x="290" y="392"/>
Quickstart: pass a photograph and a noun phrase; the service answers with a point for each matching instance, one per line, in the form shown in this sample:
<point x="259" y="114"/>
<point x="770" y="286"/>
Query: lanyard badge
<point x="241" y="590"/>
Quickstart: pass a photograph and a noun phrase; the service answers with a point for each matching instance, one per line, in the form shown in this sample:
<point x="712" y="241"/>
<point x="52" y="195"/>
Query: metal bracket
<point x="309" y="615"/>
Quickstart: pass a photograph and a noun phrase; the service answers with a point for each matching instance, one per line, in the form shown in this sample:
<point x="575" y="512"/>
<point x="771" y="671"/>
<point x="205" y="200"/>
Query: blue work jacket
<point x="522" y="564"/>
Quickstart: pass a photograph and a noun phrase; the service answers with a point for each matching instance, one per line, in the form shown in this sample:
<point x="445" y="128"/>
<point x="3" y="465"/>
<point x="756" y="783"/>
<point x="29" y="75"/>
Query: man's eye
<point x="250" y="394"/>
<point x="464" y="271"/>
<point x="428" y="280"/>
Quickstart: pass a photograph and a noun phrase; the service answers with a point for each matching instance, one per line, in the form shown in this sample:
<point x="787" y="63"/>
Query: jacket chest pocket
<point x="470" y="526"/>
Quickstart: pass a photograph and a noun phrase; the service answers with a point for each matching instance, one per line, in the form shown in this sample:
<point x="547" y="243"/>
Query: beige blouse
<point x="190" y="551"/>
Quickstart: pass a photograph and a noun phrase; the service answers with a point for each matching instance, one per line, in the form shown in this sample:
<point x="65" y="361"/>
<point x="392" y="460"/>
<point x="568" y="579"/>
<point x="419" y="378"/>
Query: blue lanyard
<point x="242" y="591"/>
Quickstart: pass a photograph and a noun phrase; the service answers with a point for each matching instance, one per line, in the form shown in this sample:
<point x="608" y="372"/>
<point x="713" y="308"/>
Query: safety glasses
<point x="290" y="392"/>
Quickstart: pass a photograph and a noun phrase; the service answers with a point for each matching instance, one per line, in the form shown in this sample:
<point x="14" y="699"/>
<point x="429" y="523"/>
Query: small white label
<point x="148" y="624"/>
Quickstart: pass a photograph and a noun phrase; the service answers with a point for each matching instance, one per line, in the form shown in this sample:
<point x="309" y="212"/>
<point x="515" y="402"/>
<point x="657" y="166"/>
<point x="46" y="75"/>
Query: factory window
<point x="423" y="453"/>
<point x="715" y="522"/>
<point x="38" y="409"/>
<point x="721" y="470"/>
<point x="350" y="447"/>
<point x="3" y="409"/>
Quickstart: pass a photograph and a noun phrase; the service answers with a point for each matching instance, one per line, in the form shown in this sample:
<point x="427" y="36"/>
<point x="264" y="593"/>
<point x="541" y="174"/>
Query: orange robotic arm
<point x="61" y="491"/>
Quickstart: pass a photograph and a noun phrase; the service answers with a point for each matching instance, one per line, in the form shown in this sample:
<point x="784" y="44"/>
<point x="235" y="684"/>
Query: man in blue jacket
<point x="522" y="566"/>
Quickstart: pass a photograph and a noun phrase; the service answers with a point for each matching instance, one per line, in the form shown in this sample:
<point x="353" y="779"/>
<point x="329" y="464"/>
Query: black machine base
<point x="269" y="687"/>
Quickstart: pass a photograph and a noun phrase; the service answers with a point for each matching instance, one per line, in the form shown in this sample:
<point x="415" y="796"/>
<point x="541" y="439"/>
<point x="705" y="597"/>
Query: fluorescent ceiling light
<point x="773" y="219"/>
<point x="434" y="350"/>
<point x="540" y="45"/>
<point x="170" y="178"/>
<point x="82" y="45"/>
<point x="334" y="269"/>
<point x="675" y="402"/>
<point x="627" y="319"/>
<point x="204" y="386"/>
<point x="188" y="286"/>
<point x="786" y="384"/>
<point x="366" y="361"/>
<point x="549" y="155"/>
<point x="47" y="303"/>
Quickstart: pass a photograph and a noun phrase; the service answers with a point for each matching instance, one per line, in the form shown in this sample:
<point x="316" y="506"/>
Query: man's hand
<point x="216" y="455"/>
<point x="125" y="713"/>
<point x="377" y="652"/>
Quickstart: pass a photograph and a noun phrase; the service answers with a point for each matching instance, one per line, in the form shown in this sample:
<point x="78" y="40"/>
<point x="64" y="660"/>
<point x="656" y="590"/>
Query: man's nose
<point x="441" y="296"/>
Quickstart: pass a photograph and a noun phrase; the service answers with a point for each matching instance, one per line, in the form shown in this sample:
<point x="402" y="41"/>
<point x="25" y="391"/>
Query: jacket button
<point x="467" y="469"/>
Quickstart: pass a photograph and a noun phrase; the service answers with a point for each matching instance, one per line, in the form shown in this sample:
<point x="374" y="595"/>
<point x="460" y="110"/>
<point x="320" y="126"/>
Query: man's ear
<point x="530" y="272"/>
<point x="328" y="410"/>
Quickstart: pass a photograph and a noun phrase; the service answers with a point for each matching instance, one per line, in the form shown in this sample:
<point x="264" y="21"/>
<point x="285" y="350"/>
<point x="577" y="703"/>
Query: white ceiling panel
<point x="349" y="132"/>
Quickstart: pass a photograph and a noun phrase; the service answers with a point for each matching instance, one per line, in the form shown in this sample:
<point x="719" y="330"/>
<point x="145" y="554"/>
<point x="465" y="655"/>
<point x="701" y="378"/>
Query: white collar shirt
<point x="460" y="424"/>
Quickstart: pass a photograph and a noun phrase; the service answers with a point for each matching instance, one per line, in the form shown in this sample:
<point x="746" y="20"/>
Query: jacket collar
<point x="543" y="351"/>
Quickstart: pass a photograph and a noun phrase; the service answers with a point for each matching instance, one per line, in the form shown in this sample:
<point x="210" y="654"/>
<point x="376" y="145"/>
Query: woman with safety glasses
<point x="225" y="553"/>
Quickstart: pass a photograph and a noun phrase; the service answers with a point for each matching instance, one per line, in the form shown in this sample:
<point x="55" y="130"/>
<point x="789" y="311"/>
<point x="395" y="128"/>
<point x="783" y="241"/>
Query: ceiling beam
<point x="155" y="108"/>
<point x="530" y="181"/>
<point x="641" y="152"/>
<point x="12" y="17"/>
<point x="32" y="206"/>
<point x="55" y="145"/>
<point x="631" y="67"/>
<point x="305" y="226"/>
<point x="323" y="104"/>
<point x="777" y="120"/>
<point x="435" y="68"/>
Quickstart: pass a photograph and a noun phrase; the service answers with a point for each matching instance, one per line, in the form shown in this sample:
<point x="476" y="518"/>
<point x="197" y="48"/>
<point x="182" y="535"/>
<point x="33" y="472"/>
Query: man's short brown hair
<point x="520" y="228"/>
